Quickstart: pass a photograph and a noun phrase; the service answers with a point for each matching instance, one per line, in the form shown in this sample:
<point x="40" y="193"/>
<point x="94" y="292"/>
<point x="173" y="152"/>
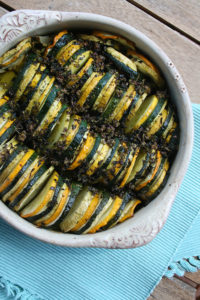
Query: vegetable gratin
<point x="87" y="132"/>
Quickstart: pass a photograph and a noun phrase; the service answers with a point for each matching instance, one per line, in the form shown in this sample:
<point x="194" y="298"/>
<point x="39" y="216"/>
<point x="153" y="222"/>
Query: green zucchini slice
<point x="122" y="62"/>
<point x="13" y="58"/>
<point x="32" y="188"/>
<point x="104" y="204"/>
<point x="115" y="218"/>
<point x="17" y="172"/>
<point x="6" y="81"/>
<point x="76" y="143"/>
<point x="53" y="216"/>
<point x="139" y="167"/>
<point x="39" y="204"/>
<point x="77" y="210"/>
<point x="143" y="114"/>
<point x="75" y="189"/>
<point x="23" y="179"/>
<point x="60" y="40"/>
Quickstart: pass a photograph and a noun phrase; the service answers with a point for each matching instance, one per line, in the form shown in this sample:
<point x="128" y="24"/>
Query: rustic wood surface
<point x="183" y="52"/>
<point x="184" y="15"/>
<point x="2" y="11"/>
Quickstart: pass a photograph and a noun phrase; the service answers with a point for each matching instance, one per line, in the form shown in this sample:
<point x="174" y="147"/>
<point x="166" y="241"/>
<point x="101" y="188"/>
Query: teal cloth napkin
<point x="32" y="270"/>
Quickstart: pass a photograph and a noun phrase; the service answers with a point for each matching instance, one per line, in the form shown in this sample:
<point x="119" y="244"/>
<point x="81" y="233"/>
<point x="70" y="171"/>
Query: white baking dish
<point x="147" y="222"/>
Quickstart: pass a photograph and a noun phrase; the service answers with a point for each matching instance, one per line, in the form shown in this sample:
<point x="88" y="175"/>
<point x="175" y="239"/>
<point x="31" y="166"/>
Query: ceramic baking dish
<point x="147" y="222"/>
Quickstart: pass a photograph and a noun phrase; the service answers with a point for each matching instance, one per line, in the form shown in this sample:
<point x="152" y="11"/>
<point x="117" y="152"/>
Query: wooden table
<point x="175" y="26"/>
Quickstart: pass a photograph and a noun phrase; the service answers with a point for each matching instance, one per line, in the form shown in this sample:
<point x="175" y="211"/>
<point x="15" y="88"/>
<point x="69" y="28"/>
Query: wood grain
<point x="2" y="11"/>
<point x="184" y="53"/>
<point x="195" y="277"/>
<point x="173" y="289"/>
<point x="181" y="14"/>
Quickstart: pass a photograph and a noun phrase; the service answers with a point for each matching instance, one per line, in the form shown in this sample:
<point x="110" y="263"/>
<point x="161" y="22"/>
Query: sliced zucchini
<point x="125" y="166"/>
<point x="43" y="200"/>
<point x="139" y="166"/>
<point x="77" y="210"/>
<point x="109" y="157"/>
<point x="155" y="114"/>
<point x="90" y="38"/>
<point x="84" y="151"/>
<point x="7" y="131"/>
<point x="12" y="58"/>
<point x="75" y="189"/>
<point x="157" y="124"/>
<point x="122" y="62"/>
<point x="53" y="216"/>
<point x="11" y="163"/>
<point x="23" y="180"/>
<point x="17" y="172"/>
<point x="76" y="62"/>
<point x="60" y="128"/>
<point x="40" y="94"/>
<point x="123" y="104"/>
<point x="169" y="127"/>
<point x="68" y="135"/>
<point x="50" y="205"/>
<point x="134" y="107"/>
<point x="49" y="118"/>
<point x="108" y="215"/>
<point x="143" y="113"/>
<point x="104" y="204"/>
<point x="112" y="39"/>
<point x="48" y="102"/>
<point x="151" y="174"/>
<point x="129" y="168"/>
<point x="99" y="158"/>
<point x="128" y="211"/>
<point x="88" y="212"/>
<point x="4" y="107"/>
<point x="168" y="120"/>
<point x="173" y="137"/>
<point x="32" y="188"/>
<point x="59" y="41"/>
<point x="146" y="67"/>
<point x="6" y="81"/>
<point x="66" y="52"/>
<point x="76" y="143"/>
<point x="152" y="192"/>
<point x="112" y="104"/>
<point x="92" y="153"/>
<point x="106" y="91"/>
<point x="88" y="88"/>
<point x="83" y="74"/>
<point x="147" y="187"/>
<point x="6" y="151"/>
<point x="118" y="213"/>
<point x="117" y="163"/>
<point x="26" y="77"/>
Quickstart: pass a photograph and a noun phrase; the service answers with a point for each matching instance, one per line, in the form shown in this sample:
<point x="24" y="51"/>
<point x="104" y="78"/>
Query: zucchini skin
<point x="105" y="198"/>
<point x="26" y="189"/>
<point x="97" y="90"/>
<point x="50" y="204"/>
<point x="19" y="77"/>
<point x="75" y="189"/>
<point x="20" y="173"/>
<point x="66" y="38"/>
<point x="126" y="199"/>
<point x="69" y="152"/>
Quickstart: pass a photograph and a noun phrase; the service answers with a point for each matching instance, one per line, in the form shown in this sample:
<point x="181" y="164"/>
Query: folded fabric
<point x="32" y="270"/>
